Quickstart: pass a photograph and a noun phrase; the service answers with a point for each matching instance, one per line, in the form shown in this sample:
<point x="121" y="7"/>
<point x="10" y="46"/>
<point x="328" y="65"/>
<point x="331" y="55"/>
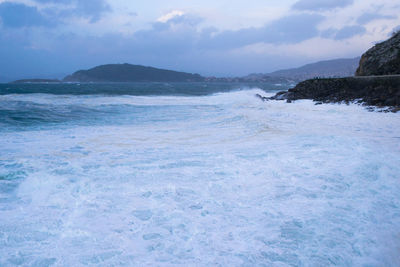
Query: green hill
<point x="131" y="73"/>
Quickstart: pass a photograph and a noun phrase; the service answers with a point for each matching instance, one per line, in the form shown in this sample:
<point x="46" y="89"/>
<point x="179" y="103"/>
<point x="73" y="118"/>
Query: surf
<point x="182" y="179"/>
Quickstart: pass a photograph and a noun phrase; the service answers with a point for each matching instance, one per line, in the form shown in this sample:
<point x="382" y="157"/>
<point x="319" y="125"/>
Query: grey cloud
<point x="172" y="44"/>
<point x="368" y="17"/>
<point x="318" y="5"/>
<point x="329" y="33"/>
<point x="18" y="59"/>
<point x="349" y="31"/>
<point x="343" y="33"/>
<point x="177" y="35"/>
<point x="293" y="29"/>
<point x="16" y="15"/>
<point x="290" y="29"/>
<point x="79" y="52"/>
<point x="55" y="1"/>
<point x="92" y="9"/>
<point x="176" y="44"/>
<point x="19" y="15"/>
<point x="181" y="34"/>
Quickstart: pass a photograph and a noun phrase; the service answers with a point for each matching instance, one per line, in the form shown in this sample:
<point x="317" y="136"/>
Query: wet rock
<point x="263" y="98"/>
<point x="376" y="91"/>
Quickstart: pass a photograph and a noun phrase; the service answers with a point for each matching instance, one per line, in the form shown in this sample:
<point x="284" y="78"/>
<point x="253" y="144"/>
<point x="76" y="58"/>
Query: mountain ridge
<point x="137" y="73"/>
<point x="341" y="67"/>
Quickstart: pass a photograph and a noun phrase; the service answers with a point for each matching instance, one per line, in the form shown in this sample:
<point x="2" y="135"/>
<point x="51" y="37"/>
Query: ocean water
<point x="194" y="175"/>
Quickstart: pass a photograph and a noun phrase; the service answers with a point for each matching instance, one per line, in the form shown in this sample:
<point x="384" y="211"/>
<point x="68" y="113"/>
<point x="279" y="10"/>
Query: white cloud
<point x="170" y="15"/>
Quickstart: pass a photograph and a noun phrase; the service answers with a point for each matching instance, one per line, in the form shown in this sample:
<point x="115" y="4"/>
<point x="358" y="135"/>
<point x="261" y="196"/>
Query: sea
<point x="194" y="174"/>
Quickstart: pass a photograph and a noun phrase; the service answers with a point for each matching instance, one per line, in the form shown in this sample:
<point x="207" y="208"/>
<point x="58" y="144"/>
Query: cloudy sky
<point x="50" y="38"/>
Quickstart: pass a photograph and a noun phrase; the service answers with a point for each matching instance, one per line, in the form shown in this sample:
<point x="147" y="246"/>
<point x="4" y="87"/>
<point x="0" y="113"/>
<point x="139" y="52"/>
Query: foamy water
<point x="223" y="179"/>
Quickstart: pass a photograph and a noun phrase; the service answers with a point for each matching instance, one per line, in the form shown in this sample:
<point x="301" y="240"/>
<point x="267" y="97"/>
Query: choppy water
<point x="198" y="178"/>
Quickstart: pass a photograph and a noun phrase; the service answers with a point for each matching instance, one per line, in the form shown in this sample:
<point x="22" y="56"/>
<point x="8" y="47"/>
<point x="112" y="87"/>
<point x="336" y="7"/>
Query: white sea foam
<point x="222" y="180"/>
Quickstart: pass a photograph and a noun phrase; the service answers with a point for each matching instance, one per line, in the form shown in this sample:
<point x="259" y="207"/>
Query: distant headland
<point x="137" y="73"/>
<point x="131" y="73"/>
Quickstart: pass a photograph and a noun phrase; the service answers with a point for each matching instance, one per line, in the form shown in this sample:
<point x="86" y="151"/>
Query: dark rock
<point x="263" y="98"/>
<point x="282" y="95"/>
<point x="377" y="91"/>
<point x="390" y="102"/>
<point x="382" y="59"/>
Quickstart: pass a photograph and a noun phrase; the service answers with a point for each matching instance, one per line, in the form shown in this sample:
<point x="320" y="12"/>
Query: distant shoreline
<point x="216" y="81"/>
<point x="37" y="81"/>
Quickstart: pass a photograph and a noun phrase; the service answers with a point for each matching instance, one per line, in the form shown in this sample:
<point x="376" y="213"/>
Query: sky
<point x="53" y="38"/>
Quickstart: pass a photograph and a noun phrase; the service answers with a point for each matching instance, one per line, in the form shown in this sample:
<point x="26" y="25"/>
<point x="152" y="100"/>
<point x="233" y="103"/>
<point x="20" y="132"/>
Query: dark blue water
<point x="23" y="106"/>
<point x="138" y="89"/>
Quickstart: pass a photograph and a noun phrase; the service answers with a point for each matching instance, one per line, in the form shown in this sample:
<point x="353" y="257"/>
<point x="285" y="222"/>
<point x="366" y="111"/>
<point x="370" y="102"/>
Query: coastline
<point x="379" y="91"/>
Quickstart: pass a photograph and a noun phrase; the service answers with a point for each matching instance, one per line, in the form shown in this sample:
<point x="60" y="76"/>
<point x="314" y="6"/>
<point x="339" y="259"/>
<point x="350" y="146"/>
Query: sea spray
<point x="220" y="178"/>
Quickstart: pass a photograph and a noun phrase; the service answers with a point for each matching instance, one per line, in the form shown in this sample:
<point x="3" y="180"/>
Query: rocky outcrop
<point x="377" y="81"/>
<point x="382" y="59"/>
<point x="376" y="91"/>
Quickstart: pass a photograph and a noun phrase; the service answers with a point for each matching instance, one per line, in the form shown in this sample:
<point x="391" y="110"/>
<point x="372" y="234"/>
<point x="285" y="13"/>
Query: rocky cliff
<point x="382" y="59"/>
<point x="377" y="91"/>
<point x="377" y="81"/>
